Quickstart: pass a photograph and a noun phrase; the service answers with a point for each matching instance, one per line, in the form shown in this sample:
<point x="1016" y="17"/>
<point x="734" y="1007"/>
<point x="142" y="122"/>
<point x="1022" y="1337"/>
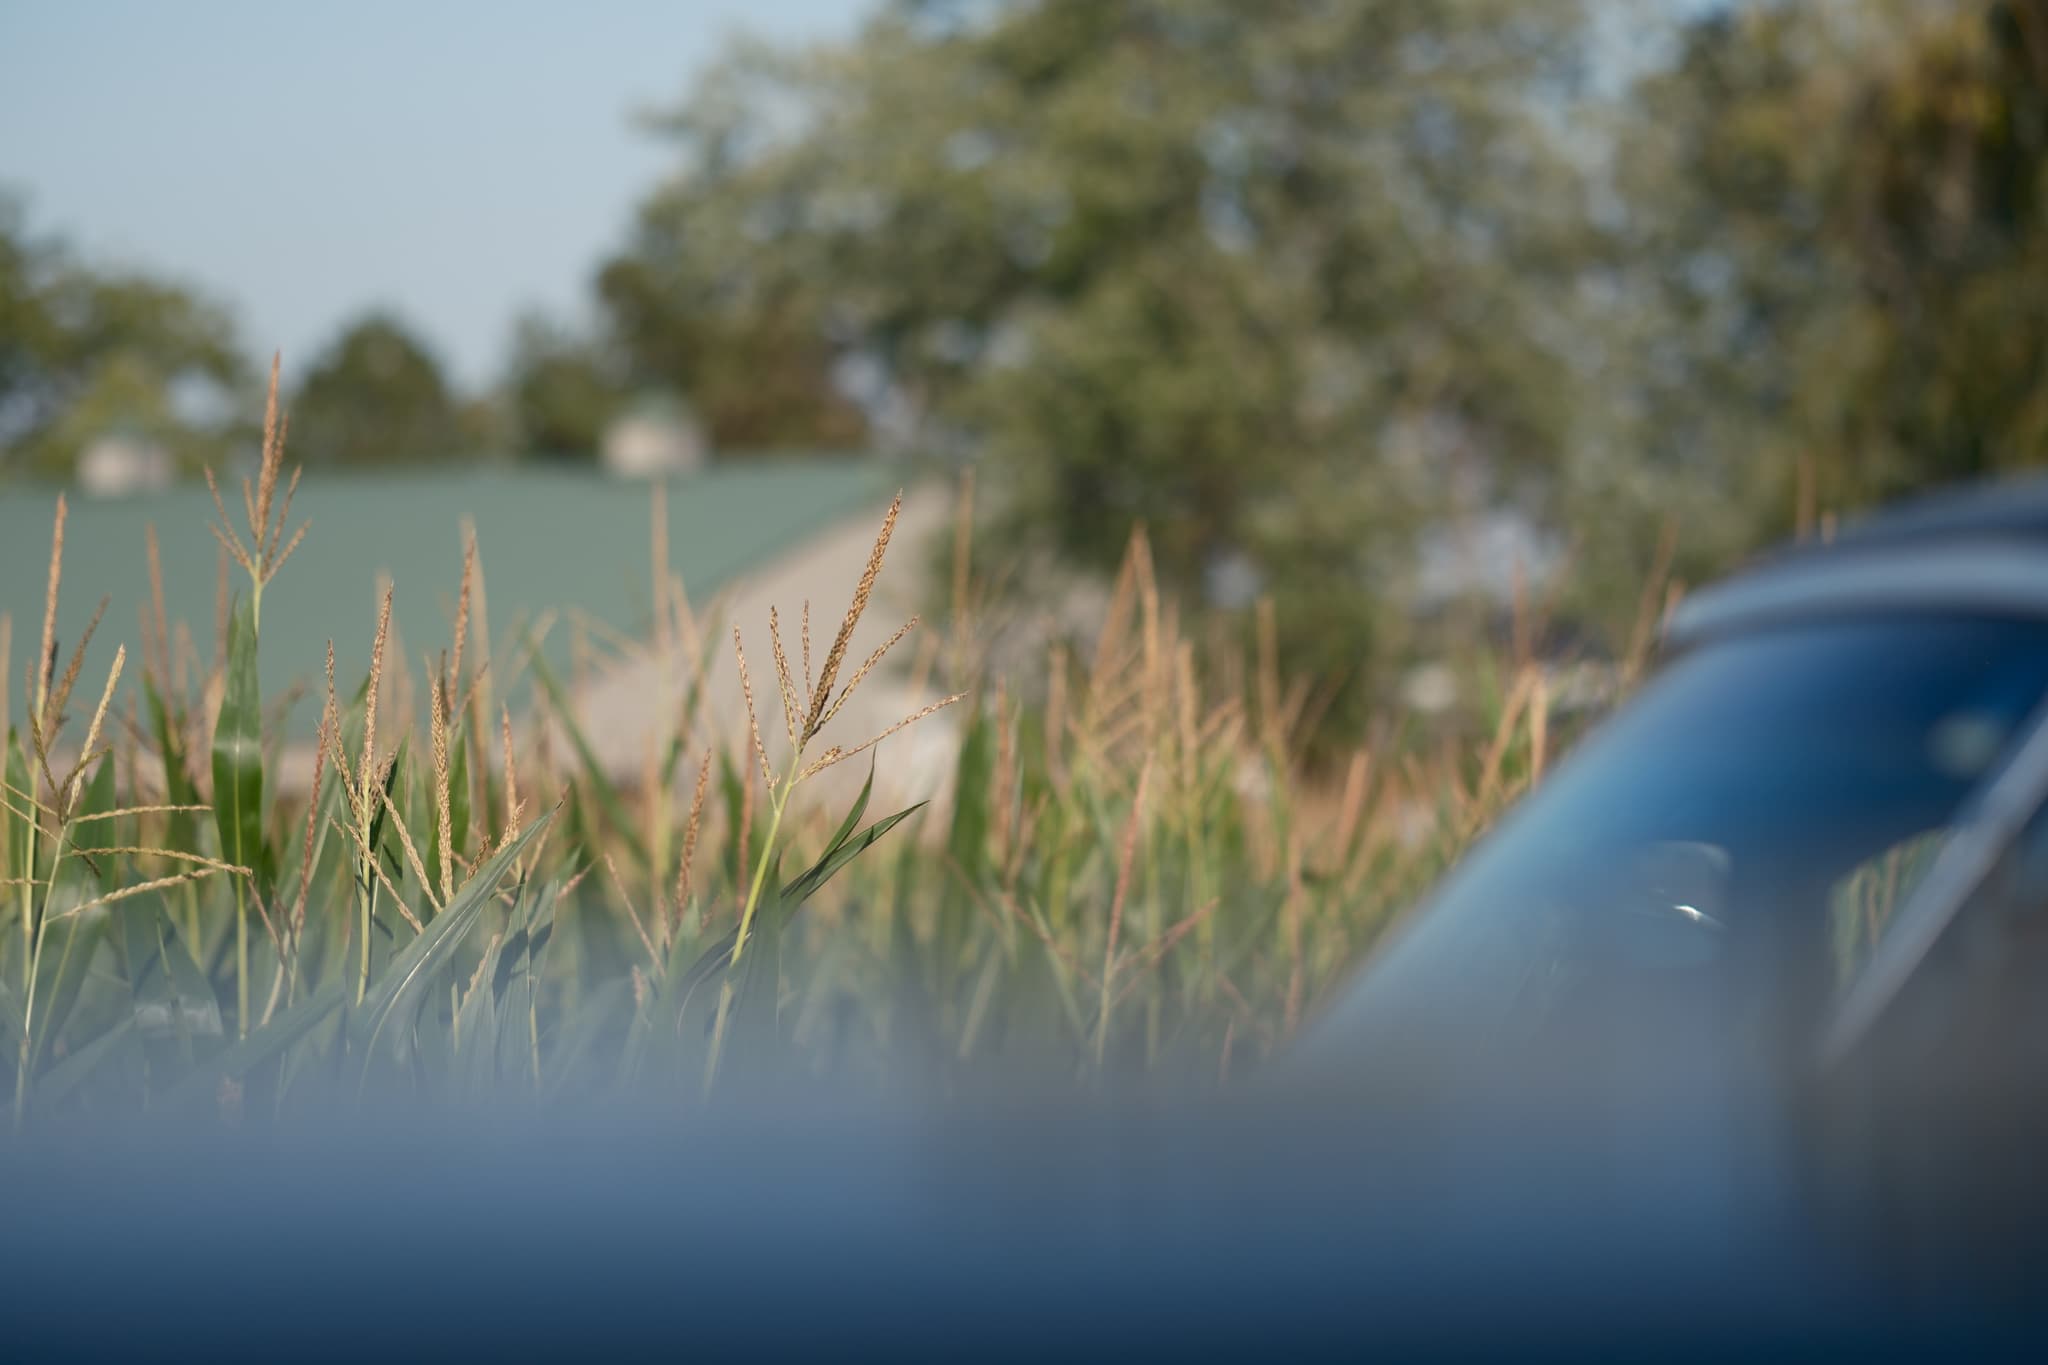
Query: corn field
<point x="1131" y="879"/>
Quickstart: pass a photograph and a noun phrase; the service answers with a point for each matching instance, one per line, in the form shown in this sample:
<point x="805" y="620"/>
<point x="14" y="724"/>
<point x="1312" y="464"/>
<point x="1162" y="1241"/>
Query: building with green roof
<point x="551" y="541"/>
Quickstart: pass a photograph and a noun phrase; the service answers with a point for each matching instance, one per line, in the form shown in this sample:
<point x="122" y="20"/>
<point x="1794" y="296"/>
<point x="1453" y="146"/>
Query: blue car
<point x="1805" y="872"/>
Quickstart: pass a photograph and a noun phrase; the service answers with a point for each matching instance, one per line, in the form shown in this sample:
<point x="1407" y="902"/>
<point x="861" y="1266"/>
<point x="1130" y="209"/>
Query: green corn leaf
<point x="734" y="793"/>
<point x="807" y="885"/>
<point x="569" y="1055"/>
<point x="753" y="1038"/>
<point x="382" y="839"/>
<point x="860" y="808"/>
<point x="21" y="829"/>
<point x="967" y="838"/>
<point x="794" y="894"/>
<point x="90" y="839"/>
<point x="406" y="980"/>
<point x="328" y="810"/>
<point x="10" y="1017"/>
<point x="61" y="1079"/>
<point x="171" y="995"/>
<point x="619" y="820"/>
<point x="238" y="753"/>
<point x="260" y="1046"/>
<point x="181" y="829"/>
<point x="69" y="944"/>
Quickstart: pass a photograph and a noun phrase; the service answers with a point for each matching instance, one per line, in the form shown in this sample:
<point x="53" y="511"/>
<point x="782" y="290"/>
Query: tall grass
<point x="1130" y="874"/>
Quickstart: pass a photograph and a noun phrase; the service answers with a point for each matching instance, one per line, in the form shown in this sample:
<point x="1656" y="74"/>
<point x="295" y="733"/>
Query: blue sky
<point x="456" y="161"/>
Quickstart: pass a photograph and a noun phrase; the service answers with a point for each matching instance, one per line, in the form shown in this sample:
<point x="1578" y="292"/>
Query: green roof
<point x="548" y="540"/>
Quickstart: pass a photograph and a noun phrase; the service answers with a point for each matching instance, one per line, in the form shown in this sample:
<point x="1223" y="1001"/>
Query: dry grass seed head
<point x="480" y="617"/>
<point x="223" y="529"/>
<point x="836" y="655"/>
<point x="453" y="682"/>
<point x="690" y="831"/>
<point x="834" y="755"/>
<point x="861" y="673"/>
<point x="785" y="684"/>
<point x="746" y="833"/>
<point x="273" y="452"/>
<point x="284" y="512"/>
<point x="511" y="772"/>
<point x="412" y="853"/>
<point x="270" y="571"/>
<point x="443" y="804"/>
<point x="60" y="697"/>
<point x="618" y="885"/>
<point x="92" y="732"/>
<point x="312" y="818"/>
<point x="368" y="858"/>
<point x="753" y="721"/>
<point x="46" y="657"/>
<point x="805" y="633"/>
<point x="371" y="694"/>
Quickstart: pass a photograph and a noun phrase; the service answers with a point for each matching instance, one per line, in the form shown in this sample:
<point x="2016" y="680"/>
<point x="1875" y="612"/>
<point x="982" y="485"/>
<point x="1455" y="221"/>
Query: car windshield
<point x="1722" y="853"/>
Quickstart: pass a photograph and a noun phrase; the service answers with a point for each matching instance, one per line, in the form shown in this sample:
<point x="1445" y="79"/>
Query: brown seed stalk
<point x="368" y="765"/>
<point x="512" y="809"/>
<point x="453" y="684"/>
<point x="753" y="722"/>
<point x="690" y="831"/>
<point x="835" y="755"/>
<point x="442" y="803"/>
<point x="46" y="658"/>
<point x="785" y="684"/>
<point x="860" y="674"/>
<point x="836" y="655"/>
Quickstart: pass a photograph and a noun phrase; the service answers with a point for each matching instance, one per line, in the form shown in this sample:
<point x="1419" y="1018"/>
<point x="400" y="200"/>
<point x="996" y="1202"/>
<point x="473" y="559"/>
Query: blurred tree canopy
<point x="560" y="391"/>
<point x="1267" y="278"/>
<point x="86" y="354"/>
<point x="1834" y="266"/>
<point x="747" y="351"/>
<point x="376" y="398"/>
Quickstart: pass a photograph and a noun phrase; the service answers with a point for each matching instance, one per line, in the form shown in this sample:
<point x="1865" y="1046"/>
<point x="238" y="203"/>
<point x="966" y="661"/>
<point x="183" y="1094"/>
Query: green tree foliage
<point x="748" y="350"/>
<point x="1836" y="257"/>
<point x="1270" y="279"/>
<point x="1944" y="206"/>
<point x="86" y="353"/>
<point x="376" y="398"/>
<point x="560" y="392"/>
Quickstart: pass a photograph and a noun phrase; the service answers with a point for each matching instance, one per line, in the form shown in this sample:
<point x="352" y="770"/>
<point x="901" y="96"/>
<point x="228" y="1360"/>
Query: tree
<point x="561" y="391"/>
<point x="376" y="398"/>
<point x="1835" y="255"/>
<point x="754" y="361"/>
<point x="85" y="353"/>
<point x="1270" y="279"/>
<point x="1942" y="202"/>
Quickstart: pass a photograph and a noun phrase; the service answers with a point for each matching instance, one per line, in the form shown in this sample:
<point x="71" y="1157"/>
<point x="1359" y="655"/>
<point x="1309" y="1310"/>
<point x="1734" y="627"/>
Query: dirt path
<point x="620" y="712"/>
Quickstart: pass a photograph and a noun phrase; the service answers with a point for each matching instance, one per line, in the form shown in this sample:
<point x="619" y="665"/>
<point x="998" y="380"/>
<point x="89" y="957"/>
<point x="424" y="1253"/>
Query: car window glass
<point x="1862" y="903"/>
